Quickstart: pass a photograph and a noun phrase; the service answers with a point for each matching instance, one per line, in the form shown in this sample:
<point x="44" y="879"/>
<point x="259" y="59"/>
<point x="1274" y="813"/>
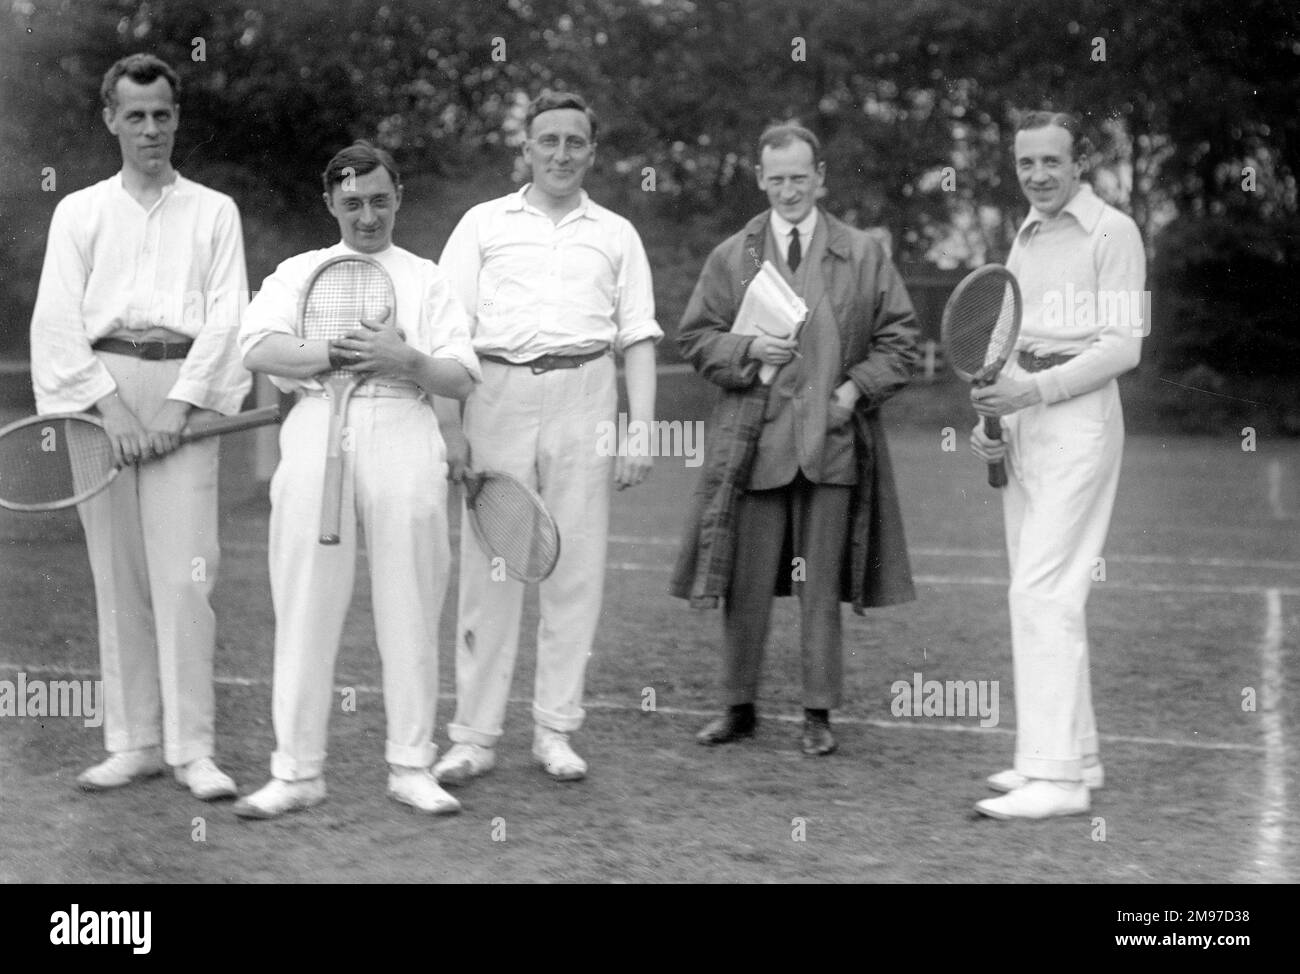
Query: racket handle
<point x="997" y="469"/>
<point x="232" y="424"/>
<point x="331" y="508"/>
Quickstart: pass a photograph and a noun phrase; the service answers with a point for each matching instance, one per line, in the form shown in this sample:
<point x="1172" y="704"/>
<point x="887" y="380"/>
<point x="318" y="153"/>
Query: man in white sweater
<point x="1081" y="266"/>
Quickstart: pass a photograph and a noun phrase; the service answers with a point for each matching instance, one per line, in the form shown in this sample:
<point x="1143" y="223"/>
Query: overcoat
<point x="865" y="297"/>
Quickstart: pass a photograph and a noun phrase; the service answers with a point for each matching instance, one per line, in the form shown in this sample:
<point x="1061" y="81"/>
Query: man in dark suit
<point x="805" y="457"/>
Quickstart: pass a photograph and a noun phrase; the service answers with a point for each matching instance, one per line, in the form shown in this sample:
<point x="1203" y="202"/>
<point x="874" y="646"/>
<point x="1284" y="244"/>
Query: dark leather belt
<point x="546" y="363"/>
<point x="1031" y="362"/>
<point x="150" y="351"/>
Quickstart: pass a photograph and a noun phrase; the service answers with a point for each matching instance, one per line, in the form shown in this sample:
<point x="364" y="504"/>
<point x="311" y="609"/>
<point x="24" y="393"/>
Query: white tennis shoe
<point x="463" y="762"/>
<point x="418" y="788"/>
<point x="122" y="768"/>
<point x="278" y="797"/>
<point x="1038" y="799"/>
<point x="1094" y="776"/>
<point x="552" y="749"/>
<point x="205" y="780"/>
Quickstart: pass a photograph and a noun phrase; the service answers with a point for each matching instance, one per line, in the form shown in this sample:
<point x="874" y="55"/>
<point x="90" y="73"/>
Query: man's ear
<point x="397" y="198"/>
<point x="758" y="176"/>
<point x="329" y="201"/>
<point x="110" y="114"/>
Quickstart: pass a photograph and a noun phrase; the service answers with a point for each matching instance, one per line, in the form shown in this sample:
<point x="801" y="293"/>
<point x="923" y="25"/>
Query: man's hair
<point x="779" y="136"/>
<point x="549" y="101"/>
<point x="1080" y="145"/>
<point x="356" y="160"/>
<point x="143" y="69"/>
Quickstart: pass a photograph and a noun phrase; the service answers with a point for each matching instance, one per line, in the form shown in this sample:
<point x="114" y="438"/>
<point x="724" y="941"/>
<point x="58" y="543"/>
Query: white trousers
<point x="1063" y="470"/>
<point x="154" y="554"/>
<point x="543" y="429"/>
<point x="395" y="489"/>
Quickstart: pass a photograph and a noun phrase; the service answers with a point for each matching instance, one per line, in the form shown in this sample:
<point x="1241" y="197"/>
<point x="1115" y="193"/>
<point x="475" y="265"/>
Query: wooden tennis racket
<point x="340" y="293"/>
<point x="512" y="523"/>
<point x="59" y="460"/>
<point x="981" y="322"/>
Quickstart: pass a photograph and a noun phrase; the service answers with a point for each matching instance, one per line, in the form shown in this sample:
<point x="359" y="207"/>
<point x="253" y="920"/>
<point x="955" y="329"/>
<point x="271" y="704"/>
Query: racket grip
<point x="331" y="507"/>
<point x="997" y="469"/>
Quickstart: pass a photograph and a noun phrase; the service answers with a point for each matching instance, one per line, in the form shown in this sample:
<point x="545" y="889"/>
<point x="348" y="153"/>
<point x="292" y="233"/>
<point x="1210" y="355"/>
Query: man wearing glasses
<point x="554" y="284"/>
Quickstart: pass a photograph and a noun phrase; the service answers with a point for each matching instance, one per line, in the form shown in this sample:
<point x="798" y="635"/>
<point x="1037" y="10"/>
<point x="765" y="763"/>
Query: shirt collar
<point x="178" y="185"/>
<point x="1085" y="206"/>
<point x="782" y="227"/>
<point x="517" y="202"/>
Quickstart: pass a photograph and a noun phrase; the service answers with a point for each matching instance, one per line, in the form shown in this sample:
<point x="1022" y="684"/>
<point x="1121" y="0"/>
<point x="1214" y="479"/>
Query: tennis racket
<point x="341" y="292"/>
<point x="980" y="323"/>
<point x="511" y="523"/>
<point x="55" y="461"/>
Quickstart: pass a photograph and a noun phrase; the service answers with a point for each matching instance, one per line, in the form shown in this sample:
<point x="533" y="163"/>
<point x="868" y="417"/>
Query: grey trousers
<point x="815" y="519"/>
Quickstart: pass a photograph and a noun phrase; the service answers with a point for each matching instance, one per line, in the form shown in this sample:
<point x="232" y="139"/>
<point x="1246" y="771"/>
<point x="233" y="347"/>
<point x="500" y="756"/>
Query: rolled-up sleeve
<point x="213" y="374"/>
<point x="634" y="310"/>
<point x="66" y="375"/>
<point x="449" y="324"/>
<point x="274" y="311"/>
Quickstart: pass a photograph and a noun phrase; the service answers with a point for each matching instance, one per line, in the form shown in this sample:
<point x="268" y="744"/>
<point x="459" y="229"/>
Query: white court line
<point x="1273" y="804"/>
<point x="662" y="542"/>
<point x="1275" y="490"/>
<point x="990" y="580"/>
<point x="259" y="547"/>
<point x="925" y="724"/>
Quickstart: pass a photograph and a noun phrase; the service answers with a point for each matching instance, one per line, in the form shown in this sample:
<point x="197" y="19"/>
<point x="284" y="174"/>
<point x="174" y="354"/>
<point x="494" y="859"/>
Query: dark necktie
<point x="796" y="252"/>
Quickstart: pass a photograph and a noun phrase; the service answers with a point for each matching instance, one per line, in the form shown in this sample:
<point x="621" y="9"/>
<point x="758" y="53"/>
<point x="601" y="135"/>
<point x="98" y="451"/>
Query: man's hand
<point x="458" y="454"/>
<point x="843" y="399"/>
<point x="988" y="450"/>
<point x="128" y="437"/>
<point x="771" y="350"/>
<point x="630" y="471"/>
<point x="165" y="428"/>
<point x="377" y="348"/>
<point x="1006" y="395"/>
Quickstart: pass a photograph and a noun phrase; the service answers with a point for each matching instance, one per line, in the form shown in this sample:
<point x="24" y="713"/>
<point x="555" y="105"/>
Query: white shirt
<point x="533" y="287"/>
<point x="427" y="309"/>
<point x="1082" y="276"/>
<point x="781" y="228"/>
<point x="111" y="265"/>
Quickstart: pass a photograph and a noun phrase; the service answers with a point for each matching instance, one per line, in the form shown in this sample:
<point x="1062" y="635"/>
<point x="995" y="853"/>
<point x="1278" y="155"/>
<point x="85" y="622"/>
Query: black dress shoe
<point x="735" y="724"/>
<point x="817" y="736"/>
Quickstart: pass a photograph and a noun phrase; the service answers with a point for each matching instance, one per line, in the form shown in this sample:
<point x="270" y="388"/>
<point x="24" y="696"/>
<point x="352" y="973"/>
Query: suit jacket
<point x="858" y="295"/>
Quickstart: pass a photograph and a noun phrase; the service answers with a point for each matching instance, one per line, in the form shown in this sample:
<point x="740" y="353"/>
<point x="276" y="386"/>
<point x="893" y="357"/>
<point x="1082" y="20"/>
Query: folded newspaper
<point x="770" y="307"/>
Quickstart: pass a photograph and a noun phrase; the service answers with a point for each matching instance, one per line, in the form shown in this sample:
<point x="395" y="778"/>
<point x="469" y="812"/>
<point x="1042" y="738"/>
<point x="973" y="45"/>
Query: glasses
<point x="551" y="143"/>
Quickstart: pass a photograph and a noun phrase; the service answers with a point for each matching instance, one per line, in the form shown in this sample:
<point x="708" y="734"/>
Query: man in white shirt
<point x="136" y="317"/>
<point x="394" y="484"/>
<point x="1081" y="266"/>
<point x="553" y="283"/>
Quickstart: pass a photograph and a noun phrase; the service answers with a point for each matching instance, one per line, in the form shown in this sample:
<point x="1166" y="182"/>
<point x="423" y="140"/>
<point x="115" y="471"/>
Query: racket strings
<point x="341" y="295"/>
<point x="514" y="529"/>
<point x="983" y="319"/>
<point x="47" y="462"/>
